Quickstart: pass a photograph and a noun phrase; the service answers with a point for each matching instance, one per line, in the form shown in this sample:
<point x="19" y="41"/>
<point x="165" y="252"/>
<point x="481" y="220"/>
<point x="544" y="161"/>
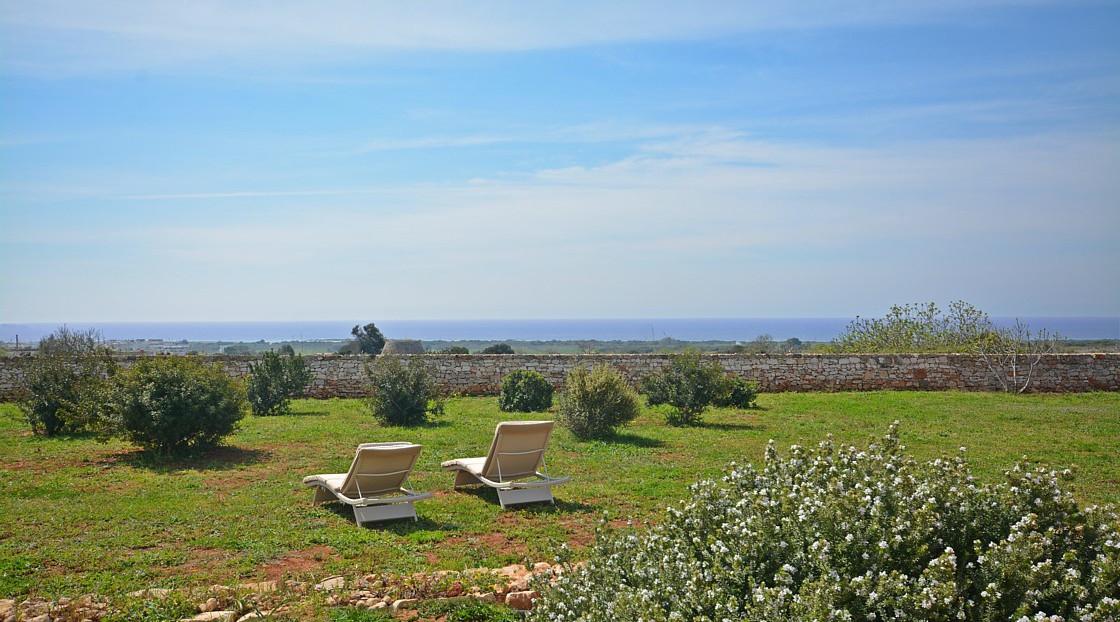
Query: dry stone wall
<point x="481" y="374"/>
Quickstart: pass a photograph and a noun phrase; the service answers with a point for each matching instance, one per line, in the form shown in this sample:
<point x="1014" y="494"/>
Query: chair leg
<point x="463" y="478"/>
<point x="322" y="495"/>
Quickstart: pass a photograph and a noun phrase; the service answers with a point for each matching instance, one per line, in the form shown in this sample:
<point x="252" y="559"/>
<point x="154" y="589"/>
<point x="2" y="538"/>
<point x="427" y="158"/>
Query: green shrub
<point x="689" y="384"/>
<point x="402" y="394"/>
<point x="64" y="383"/>
<point x="918" y="328"/>
<point x="843" y="533"/>
<point x="367" y="340"/>
<point x="174" y="404"/>
<point x="525" y="391"/>
<point x="274" y="381"/>
<point x="498" y="348"/>
<point x="736" y="392"/>
<point x="454" y="350"/>
<point x="596" y="402"/>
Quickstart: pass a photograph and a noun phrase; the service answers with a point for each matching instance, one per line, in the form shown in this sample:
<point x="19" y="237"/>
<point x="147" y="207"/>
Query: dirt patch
<point x="300" y="562"/>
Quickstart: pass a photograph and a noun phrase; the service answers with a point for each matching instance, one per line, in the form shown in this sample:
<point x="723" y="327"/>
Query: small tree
<point x="595" y="402"/>
<point x="498" y="348"/>
<point x="174" y="404"/>
<point x="402" y="393"/>
<point x="367" y="340"/>
<point x="917" y="328"/>
<point x="274" y="381"/>
<point x="286" y="349"/>
<point x="689" y="384"/>
<point x="454" y="350"/>
<point x="736" y="392"/>
<point x="525" y="391"/>
<point x="1012" y="354"/>
<point x="65" y="383"/>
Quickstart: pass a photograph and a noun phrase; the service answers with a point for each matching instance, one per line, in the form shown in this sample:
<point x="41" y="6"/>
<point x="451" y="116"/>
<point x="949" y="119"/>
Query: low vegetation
<point x="498" y="348"/>
<point x="595" y="402"/>
<point x="85" y="516"/>
<point x="173" y="405"/>
<point x="274" y="380"/>
<point x="66" y="382"/>
<point x="404" y="392"/>
<point x="689" y="384"/>
<point x="525" y="391"/>
<point x="840" y="532"/>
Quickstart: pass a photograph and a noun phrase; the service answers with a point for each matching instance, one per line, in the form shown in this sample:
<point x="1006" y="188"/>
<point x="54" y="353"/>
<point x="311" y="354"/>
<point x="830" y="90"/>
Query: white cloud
<point x="73" y="36"/>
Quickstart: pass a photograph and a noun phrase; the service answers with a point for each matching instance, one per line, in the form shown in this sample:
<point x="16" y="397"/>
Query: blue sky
<point x="286" y="161"/>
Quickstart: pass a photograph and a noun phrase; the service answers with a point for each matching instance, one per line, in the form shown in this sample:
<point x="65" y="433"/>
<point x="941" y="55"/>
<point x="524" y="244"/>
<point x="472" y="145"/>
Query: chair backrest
<point x="517" y="450"/>
<point x="379" y="467"/>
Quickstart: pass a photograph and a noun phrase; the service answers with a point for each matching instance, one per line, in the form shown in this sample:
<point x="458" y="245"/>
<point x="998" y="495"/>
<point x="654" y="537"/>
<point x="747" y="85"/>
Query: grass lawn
<point x="80" y="516"/>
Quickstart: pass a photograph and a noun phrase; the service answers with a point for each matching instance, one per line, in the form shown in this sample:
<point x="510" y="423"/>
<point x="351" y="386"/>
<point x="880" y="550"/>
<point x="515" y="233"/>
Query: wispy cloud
<point x="68" y="36"/>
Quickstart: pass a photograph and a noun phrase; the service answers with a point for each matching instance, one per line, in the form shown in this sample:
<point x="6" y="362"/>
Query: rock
<point x="513" y="571"/>
<point x="540" y="567"/>
<point x="261" y="587"/>
<point x="43" y="618"/>
<point x="520" y="585"/>
<point x="379" y="605"/>
<point x="521" y="600"/>
<point x="211" y="604"/>
<point x="404" y="604"/>
<point x="7" y="605"/>
<point x="152" y="592"/>
<point x="488" y="597"/>
<point x="254" y="615"/>
<point x="333" y="583"/>
<point x="213" y="616"/>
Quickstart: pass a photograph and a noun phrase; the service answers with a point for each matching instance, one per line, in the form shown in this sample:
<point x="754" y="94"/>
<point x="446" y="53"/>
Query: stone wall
<point x="342" y="376"/>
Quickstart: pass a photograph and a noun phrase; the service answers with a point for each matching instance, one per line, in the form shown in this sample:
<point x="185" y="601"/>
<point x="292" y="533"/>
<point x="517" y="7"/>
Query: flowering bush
<point x="850" y="534"/>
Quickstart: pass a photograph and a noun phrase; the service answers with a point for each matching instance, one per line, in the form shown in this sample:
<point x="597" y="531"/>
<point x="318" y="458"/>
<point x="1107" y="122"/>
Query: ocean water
<point x="688" y="329"/>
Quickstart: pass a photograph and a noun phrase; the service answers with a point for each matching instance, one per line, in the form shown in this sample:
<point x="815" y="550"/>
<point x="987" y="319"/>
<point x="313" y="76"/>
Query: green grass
<point x="81" y="516"/>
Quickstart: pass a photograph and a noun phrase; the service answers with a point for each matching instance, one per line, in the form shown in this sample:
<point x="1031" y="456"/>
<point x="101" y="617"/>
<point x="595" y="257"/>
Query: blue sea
<point x="694" y="329"/>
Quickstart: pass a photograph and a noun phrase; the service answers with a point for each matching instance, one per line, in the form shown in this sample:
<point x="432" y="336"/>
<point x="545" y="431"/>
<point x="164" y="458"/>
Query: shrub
<point x="498" y="348"/>
<point x="402" y="394"/>
<point x="274" y="381"/>
<point x="689" y="384"/>
<point x="454" y="350"/>
<point x="174" y="404"/>
<point x="595" y="402"/>
<point x="917" y="328"/>
<point x="525" y="391"/>
<point x="467" y="610"/>
<point x="851" y="534"/>
<point x="65" y="383"/>
<point x="736" y="392"/>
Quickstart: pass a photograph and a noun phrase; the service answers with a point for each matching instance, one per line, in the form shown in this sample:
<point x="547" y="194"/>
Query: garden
<point x="169" y="491"/>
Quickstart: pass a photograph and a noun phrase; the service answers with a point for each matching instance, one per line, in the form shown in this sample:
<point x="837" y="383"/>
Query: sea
<point x="685" y="329"/>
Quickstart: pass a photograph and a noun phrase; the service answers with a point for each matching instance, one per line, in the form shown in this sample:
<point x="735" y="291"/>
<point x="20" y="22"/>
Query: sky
<point x="208" y="161"/>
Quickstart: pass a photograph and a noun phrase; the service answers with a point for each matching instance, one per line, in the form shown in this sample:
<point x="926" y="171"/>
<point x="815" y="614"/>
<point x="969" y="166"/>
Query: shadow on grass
<point x="490" y="495"/>
<point x="731" y="427"/>
<point x="401" y="527"/>
<point x="625" y="438"/>
<point x="219" y="458"/>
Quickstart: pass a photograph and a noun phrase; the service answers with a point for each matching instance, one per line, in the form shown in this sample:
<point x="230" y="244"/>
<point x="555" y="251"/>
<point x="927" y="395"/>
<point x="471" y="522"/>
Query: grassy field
<point x="81" y="516"/>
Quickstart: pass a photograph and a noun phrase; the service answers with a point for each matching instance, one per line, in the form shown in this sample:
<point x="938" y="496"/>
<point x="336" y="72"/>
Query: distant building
<point x="403" y="346"/>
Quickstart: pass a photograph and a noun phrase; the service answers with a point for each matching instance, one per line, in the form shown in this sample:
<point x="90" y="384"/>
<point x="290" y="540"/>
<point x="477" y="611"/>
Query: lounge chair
<point x="514" y="467"/>
<point x="374" y="486"/>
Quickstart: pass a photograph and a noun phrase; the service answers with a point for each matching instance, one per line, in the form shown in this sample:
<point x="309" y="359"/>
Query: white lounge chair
<point x="515" y="465"/>
<point x="374" y="486"/>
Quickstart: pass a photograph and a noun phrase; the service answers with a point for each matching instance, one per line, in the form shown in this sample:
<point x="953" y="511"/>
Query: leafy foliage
<point x="596" y="401"/>
<point x="274" y="381"/>
<point x="467" y="610"/>
<point x="402" y="393"/>
<point x="359" y="614"/>
<point x="174" y="404"/>
<point x="65" y="383"/>
<point x="498" y="348"/>
<point x="525" y="391"/>
<point x="689" y="384"/>
<point x="367" y="340"/>
<point x="736" y="392"/>
<point x="914" y="328"/>
<point x="454" y="350"/>
<point x="841" y="533"/>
